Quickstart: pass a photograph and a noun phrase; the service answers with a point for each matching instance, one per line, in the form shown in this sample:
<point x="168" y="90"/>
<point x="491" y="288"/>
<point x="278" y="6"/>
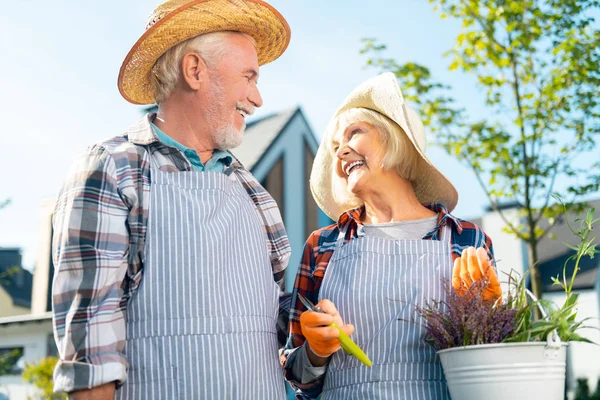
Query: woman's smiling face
<point x="359" y="151"/>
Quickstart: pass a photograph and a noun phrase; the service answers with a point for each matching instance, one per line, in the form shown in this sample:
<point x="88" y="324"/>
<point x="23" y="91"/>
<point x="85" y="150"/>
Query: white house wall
<point x="508" y="249"/>
<point x="7" y="307"/>
<point x="39" y="292"/>
<point x="290" y="144"/>
<point x="33" y="337"/>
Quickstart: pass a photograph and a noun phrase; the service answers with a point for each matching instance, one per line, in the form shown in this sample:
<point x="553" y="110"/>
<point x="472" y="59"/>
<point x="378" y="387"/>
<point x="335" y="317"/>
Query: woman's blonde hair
<point x="167" y="69"/>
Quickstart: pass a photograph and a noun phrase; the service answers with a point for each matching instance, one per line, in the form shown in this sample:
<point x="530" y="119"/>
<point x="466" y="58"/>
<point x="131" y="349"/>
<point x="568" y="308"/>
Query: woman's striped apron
<point x="375" y="284"/>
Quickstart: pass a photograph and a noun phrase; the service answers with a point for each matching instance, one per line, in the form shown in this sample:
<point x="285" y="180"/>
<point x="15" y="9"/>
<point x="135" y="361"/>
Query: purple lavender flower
<point x="466" y="320"/>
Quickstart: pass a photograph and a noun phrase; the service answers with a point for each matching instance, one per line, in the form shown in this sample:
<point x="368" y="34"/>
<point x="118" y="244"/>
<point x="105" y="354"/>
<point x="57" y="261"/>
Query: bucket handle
<point x="553" y="342"/>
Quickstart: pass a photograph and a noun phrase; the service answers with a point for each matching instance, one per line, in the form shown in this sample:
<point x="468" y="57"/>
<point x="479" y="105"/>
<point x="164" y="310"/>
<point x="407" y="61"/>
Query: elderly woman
<point x="392" y="246"/>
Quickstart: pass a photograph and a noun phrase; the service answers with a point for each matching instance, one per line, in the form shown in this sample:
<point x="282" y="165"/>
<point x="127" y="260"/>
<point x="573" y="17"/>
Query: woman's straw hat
<point x="381" y="94"/>
<point x="175" y="21"/>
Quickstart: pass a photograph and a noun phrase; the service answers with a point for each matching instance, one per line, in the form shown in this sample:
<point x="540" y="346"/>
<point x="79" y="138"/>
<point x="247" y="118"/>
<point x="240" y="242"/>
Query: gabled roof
<point x="18" y="283"/>
<point x="259" y="135"/>
<point x="19" y="286"/>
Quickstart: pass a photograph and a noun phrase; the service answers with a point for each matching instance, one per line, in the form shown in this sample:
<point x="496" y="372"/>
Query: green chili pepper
<point x="350" y="347"/>
<point x="347" y="344"/>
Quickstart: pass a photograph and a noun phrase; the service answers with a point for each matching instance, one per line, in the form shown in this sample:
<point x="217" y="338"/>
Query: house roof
<point x="19" y="283"/>
<point x="18" y="287"/>
<point x="259" y="135"/>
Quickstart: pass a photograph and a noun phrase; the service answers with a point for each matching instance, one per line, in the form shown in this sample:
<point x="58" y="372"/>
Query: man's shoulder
<point x="120" y="149"/>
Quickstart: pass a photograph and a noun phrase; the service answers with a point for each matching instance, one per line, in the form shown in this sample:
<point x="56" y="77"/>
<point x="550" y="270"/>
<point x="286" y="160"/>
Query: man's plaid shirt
<point x="318" y="251"/>
<point x="100" y="223"/>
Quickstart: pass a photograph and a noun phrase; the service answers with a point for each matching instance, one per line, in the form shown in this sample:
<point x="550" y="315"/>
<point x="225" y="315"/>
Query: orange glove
<point x="472" y="266"/>
<point x="323" y="339"/>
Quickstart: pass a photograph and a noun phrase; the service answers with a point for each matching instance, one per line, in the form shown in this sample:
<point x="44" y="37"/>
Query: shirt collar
<point x="145" y="132"/>
<point x="141" y="132"/>
<point x="350" y="220"/>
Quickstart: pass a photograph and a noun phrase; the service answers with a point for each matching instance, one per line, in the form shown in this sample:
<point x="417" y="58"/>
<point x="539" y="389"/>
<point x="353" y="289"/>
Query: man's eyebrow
<point x="252" y="72"/>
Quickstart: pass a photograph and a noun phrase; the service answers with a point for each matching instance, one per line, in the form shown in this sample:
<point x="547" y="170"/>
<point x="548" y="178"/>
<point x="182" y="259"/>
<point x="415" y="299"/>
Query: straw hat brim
<point x="381" y="94"/>
<point x="254" y="17"/>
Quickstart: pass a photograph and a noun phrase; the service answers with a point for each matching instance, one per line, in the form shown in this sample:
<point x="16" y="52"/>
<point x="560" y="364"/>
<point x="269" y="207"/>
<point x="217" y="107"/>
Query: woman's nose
<point x="342" y="152"/>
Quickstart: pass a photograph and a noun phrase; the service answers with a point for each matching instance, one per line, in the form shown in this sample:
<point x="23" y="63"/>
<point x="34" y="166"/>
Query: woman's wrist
<point x="315" y="359"/>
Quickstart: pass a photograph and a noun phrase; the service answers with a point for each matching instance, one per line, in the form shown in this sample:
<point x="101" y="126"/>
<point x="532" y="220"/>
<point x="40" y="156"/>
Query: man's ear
<point x="193" y="70"/>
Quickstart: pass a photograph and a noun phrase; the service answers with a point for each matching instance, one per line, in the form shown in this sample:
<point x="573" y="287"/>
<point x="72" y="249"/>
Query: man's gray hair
<point x="167" y="69"/>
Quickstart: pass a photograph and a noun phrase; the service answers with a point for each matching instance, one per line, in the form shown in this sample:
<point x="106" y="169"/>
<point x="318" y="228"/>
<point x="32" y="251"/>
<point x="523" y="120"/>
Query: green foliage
<point x="562" y="319"/>
<point x="582" y="391"/>
<point x="40" y="375"/>
<point x="596" y="394"/>
<point x="8" y="361"/>
<point x="12" y="270"/>
<point x="467" y="319"/>
<point x="539" y="67"/>
<point x="8" y="272"/>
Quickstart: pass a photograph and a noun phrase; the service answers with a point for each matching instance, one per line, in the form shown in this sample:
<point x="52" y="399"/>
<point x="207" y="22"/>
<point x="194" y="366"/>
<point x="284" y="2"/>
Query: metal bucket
<point x="529" y="370"/>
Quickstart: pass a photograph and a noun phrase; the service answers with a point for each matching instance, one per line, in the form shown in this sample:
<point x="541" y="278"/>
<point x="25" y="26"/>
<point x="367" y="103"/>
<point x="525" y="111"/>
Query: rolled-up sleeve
<point x="90" y="254"/>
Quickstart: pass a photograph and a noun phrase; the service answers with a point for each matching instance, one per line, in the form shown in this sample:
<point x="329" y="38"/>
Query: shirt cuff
<point x="302" y="369"/>
<point x="77" y="375"/>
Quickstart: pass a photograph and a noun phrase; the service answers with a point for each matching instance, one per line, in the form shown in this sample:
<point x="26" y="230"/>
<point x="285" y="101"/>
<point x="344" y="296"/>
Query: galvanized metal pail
<point x="529" y="370"/>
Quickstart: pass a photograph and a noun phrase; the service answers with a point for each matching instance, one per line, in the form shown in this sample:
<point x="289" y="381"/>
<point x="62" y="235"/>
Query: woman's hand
<point x="472" y="266"/>
<point x="323" y="339"/>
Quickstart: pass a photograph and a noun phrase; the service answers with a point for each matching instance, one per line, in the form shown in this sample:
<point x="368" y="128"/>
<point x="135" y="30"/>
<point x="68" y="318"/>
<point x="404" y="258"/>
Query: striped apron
<point x="202" y="324"/>
<point x="375" y="284"/>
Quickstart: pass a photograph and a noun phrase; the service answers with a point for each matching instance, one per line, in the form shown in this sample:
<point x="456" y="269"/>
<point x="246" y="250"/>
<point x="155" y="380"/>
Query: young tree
<point x="538" y="62"/>
<point x="40" y="375"/>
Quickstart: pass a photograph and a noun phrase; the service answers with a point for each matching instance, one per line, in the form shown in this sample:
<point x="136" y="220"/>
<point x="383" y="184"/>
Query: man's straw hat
<point x="381" y="94"/>
<point x="175" y="21"/>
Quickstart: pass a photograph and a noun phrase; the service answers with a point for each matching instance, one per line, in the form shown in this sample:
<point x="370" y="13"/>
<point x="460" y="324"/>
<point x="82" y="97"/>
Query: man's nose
<point x="254" y="96"/>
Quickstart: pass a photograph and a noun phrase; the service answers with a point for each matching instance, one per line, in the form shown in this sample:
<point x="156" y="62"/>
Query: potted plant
<point x="494" y="349"/>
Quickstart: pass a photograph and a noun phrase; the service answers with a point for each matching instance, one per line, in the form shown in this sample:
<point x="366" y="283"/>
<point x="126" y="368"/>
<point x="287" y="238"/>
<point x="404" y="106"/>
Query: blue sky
<point x="60" y="62"/>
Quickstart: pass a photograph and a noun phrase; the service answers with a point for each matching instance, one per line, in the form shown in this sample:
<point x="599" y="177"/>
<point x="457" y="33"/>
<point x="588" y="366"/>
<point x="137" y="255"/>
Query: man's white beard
<point x="228" y="137"/>
<point x="224" y="137"/>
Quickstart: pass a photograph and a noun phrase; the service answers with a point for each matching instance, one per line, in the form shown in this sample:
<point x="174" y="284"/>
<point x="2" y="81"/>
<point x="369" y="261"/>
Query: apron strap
<point x="446" y="233"/>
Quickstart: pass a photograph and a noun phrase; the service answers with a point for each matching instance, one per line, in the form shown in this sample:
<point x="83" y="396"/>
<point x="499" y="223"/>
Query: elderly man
<point x="169" y="255"/>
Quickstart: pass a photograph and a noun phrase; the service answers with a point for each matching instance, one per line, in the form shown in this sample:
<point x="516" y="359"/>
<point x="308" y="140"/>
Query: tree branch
<point x="559" y="162"/>
<point x="494" y="204"/>
<point x="487" y="29"/>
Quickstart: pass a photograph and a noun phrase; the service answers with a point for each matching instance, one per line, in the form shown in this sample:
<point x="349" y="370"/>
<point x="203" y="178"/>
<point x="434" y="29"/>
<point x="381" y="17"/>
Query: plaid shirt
<point x="100" y="224"/>
<point x="318" y="251"/>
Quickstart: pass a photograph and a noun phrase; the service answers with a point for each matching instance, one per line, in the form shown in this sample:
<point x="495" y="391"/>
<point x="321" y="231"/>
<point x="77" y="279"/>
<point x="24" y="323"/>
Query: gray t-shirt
<point x="403" y="230"/>
<point x="302" y="370"/>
